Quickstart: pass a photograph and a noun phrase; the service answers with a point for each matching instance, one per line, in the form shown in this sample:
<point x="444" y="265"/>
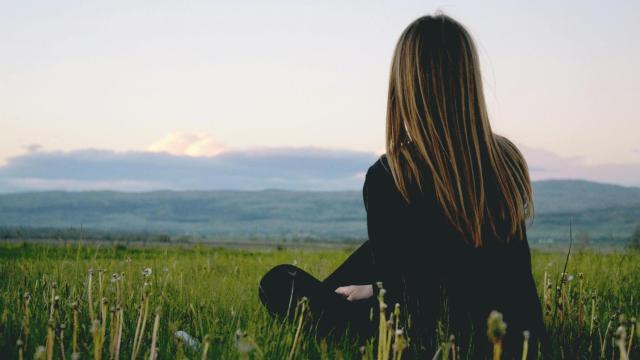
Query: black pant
<point x="283" y="286"/>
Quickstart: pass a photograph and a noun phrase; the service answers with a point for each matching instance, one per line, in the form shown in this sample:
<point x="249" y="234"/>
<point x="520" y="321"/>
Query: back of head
<point x="438" y="129"/>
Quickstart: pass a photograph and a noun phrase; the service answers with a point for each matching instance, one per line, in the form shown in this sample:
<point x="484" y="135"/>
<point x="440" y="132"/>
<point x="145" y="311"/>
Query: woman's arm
<point x="386" y="226"/>
<point x="356" y="270"/>
<point x="380" y="259"/>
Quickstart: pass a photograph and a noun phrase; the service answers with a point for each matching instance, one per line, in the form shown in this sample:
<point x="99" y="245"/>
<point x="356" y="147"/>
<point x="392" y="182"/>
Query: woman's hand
<point x="355" y="292"/>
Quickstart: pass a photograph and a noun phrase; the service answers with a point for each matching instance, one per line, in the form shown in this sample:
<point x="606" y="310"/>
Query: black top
<point x="425" y="266"/>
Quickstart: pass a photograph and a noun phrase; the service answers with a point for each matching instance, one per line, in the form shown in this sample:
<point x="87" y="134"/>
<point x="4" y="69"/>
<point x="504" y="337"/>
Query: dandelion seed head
<point x="243" y="346"/>
<point x="621" y="332"/>
<point x="390" y="324"/>
<point x="496" y="327"/>
<point x="95" y="325"/>
<point x="147" y="272"/>
<point x="40" y="350"/>
<point x="188" y="339"/>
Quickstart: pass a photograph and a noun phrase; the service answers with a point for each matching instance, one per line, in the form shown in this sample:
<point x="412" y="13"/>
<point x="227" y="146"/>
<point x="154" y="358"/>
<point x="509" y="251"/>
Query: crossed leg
<point x="282" y="287"/>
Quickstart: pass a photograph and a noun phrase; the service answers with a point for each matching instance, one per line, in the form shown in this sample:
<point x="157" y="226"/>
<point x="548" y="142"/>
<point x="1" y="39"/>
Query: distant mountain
<point x="600" y="212"/>
<point x="578" y="195"/>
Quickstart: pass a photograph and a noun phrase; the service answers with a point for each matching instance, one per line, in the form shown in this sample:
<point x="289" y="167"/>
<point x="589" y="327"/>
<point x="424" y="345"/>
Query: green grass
<point x="212" y="292"/>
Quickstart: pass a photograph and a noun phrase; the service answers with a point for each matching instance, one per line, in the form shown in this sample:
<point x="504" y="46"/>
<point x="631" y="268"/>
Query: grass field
<point x="50" y="294"/>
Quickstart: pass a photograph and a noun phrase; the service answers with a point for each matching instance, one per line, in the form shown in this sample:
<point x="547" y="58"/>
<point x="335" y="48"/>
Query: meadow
<point x="115" y="302"/>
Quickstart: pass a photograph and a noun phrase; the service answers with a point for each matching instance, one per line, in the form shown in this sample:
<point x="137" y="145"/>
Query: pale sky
<point x="202" y="77"/>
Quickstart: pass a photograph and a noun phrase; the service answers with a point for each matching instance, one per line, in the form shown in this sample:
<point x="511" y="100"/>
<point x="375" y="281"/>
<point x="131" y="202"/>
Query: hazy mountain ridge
<point x="606" y="212"/>
<point x="578" y="195"/>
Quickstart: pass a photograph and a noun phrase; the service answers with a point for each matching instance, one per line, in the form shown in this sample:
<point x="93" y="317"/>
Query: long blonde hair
<point x="437" y="120"/>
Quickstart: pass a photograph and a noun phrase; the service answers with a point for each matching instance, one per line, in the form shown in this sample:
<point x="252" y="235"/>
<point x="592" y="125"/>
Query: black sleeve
<point x="386" y="214"/>
<point x="356" y="270"/>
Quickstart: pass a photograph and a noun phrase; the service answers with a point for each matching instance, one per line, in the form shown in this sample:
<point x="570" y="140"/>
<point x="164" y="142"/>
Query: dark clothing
<point x="283" y="286"/>
<point x="428" y="269"/>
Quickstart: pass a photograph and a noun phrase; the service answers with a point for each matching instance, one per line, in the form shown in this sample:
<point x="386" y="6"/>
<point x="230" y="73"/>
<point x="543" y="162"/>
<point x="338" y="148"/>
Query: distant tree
<point x="635" y="237"/>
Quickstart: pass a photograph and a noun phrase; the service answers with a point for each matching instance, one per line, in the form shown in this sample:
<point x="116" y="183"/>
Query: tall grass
<point x="76" y="301"/>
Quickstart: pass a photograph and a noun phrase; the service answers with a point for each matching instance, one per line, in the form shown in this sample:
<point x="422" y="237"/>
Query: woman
<point x="446" y="210"/>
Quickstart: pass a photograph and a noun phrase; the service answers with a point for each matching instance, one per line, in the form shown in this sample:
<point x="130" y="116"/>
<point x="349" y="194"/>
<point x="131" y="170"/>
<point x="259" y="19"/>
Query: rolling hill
<point x="602" y="212"/>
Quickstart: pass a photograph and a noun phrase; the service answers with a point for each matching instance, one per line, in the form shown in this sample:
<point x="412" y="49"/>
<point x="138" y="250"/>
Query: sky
<point x="194" y="83"/>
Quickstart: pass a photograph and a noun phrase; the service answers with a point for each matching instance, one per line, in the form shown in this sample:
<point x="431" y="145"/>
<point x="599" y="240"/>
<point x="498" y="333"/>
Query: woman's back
<point x="427" y="267"/>
<point x="446" y="207"/>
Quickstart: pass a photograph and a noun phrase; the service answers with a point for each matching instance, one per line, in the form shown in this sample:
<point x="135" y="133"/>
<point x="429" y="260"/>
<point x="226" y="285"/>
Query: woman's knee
<point x="275" y="287"/>
<point x="278" y="275"/>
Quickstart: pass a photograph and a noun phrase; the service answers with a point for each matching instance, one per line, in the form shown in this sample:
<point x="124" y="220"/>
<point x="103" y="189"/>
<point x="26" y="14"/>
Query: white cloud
<point x="254" y="169"/>
<point x="249" y="169"/>
<point x="31" y="148"/>
<point x="544" y="164"/>
<point x="178" y="143"/>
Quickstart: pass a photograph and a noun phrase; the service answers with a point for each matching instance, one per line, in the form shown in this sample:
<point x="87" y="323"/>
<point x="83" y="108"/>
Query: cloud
<point x="201" y="144"/>
<point x="281" y="168"/>
<point x="254" y="169"/>
<point x="544" y="164"/>
<point x="31" y="148"/>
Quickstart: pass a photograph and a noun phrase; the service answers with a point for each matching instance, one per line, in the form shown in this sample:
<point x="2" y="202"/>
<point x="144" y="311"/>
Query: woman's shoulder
<point x="379" y="189"/>
<point x="380" y="172"/>
<point x="379" y="183"/>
